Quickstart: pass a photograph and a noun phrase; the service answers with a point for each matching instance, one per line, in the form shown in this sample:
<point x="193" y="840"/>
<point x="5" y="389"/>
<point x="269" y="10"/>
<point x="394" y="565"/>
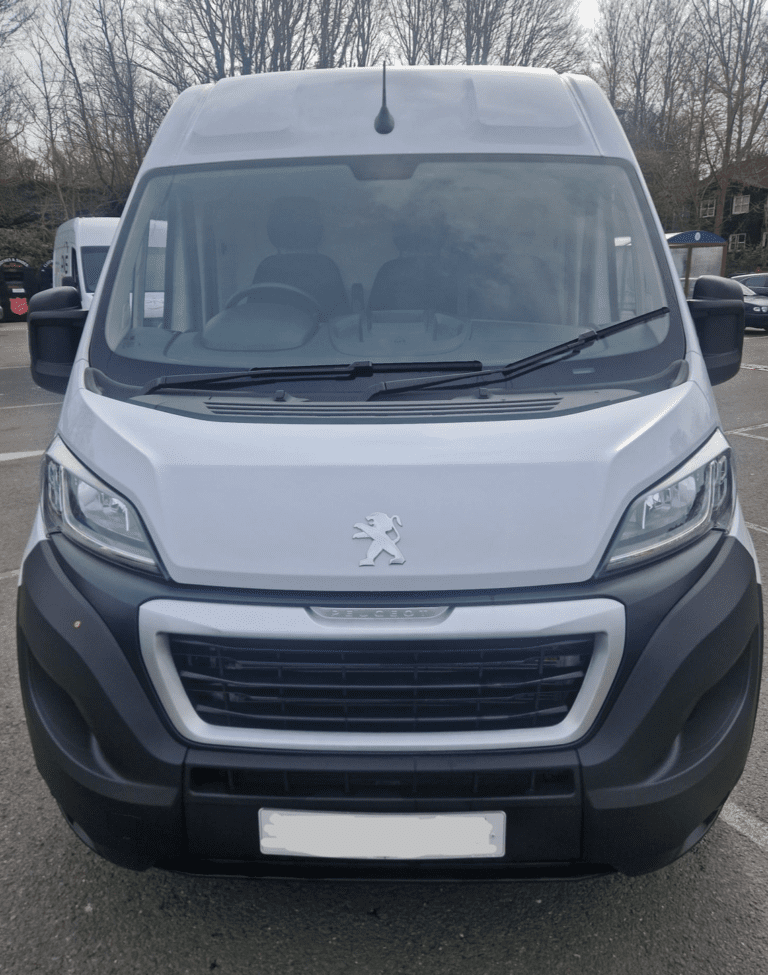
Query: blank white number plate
<point x="382" y="836"/>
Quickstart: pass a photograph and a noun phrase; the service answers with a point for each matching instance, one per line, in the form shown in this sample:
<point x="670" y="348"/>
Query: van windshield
<point x="387" y="259"/>
<point x="93" y="261"/>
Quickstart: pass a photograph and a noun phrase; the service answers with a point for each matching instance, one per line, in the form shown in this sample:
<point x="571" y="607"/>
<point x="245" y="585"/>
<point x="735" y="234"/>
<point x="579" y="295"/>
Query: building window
<point x="741" y="204"/>
<point x="737" y="242"/>
<point x="707" y="208"/>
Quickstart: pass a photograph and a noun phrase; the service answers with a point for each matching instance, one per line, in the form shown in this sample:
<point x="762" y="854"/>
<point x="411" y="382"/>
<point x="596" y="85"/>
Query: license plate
<point x="381" y="836"/>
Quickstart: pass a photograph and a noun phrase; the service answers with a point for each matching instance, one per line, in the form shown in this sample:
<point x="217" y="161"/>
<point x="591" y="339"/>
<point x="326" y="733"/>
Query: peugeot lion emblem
<point x="377" y="530"/>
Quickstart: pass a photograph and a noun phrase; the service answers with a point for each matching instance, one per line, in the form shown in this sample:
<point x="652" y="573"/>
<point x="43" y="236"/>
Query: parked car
<point x="755" y="308"/>
<point x="757" y="282"/>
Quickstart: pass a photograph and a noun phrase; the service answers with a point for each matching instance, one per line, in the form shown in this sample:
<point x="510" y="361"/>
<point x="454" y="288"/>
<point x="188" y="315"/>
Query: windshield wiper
<point x="354" y="370"/>
<point x="565" y="350"/>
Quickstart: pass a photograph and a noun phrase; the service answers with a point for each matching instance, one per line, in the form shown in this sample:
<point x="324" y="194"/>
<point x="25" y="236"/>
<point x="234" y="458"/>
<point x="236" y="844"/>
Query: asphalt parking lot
<point x="66" y="912"/>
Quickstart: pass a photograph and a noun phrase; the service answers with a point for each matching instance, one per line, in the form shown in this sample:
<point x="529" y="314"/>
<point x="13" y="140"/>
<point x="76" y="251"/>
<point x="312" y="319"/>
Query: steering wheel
<point x="284" y="294"/>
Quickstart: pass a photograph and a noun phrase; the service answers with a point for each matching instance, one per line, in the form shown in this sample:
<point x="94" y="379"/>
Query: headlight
<point x="88" y="512"/>
<point x="700" y="496"/>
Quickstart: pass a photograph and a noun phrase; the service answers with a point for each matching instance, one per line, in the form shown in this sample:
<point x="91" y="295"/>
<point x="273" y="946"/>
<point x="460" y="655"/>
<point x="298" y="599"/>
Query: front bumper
<point x="634" y="792"/>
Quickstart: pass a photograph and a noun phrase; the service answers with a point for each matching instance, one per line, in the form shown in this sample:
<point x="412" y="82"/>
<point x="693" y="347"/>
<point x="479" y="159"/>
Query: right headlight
<point x="697" y="498"/>
<point x="91" y="514"/>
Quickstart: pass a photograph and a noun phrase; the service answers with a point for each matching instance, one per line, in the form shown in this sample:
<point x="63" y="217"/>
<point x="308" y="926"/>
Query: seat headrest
<point x="295" y="224"/>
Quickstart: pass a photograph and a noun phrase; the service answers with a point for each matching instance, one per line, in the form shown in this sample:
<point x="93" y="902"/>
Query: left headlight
<point x="91" y="514"/>
<point x="698" y="497"/>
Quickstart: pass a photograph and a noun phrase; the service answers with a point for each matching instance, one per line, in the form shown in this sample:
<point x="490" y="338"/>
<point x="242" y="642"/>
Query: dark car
<point x="755" y="307"/>
<point x="756" y="281"/>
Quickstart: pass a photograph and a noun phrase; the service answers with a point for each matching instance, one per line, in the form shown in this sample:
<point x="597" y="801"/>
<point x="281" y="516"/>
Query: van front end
<point x="389" y="529"/>
<point x="602" y="722"/>
<point x="633" y="791"/>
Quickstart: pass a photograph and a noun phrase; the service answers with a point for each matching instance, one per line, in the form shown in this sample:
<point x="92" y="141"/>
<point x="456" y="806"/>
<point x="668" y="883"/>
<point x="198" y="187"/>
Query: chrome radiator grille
<point x="382" y="686"/>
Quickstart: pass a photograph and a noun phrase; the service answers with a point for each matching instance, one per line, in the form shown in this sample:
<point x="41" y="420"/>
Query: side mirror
<point x="54" y="325"/>
<point x="717" y="309"/>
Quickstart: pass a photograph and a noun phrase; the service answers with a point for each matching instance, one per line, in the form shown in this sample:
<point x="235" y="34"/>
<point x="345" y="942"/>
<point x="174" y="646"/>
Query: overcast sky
<point x="588" y="12"/>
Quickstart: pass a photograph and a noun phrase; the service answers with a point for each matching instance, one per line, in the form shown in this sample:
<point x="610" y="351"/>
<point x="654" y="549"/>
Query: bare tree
<point x="544" y="33"/>
<point x="610" y="42"/>
<point x="198" y="41"/>
<point x="14" y="14"/>
<point x="425" y="31"/>
<point x="482" y="27"/>
<point x="735" y="33"/>
<point x="657" y="74"/>
<point x="368" y="45"/>
<point x="286" y="42"/>
<point x="332" y="22"/>
<point x="94" y="107"/>
<point x="675" y="54"/>
<point x="195" y="42"/>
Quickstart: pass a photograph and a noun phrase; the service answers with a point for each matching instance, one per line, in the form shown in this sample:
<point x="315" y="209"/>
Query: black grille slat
<point x="282" y="687"/>
<point x="264" y="783"/>
<point x="382" y="686"/>
<point x="398" y="724"/>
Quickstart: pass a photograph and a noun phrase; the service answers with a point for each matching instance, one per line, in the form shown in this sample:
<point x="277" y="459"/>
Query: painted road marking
<point x="756" y="528"/>
<point x="21" y="454"/>
<point x="746" y="824"/>
<point x="13" y="574"/>
<point x="744" y="431"/>
<point x="750" y="365"/>
<point x="29" y="406"/>
<point x="751" y="436"/>
<point x="755" y="426"/>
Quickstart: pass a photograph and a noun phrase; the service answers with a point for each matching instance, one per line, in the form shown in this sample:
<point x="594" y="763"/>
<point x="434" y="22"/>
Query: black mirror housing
<point x="54" y="325"/>
<point x="717" y="309"/>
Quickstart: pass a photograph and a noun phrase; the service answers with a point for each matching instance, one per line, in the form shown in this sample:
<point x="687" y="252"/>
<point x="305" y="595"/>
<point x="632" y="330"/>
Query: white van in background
<point x="79" y="252"/>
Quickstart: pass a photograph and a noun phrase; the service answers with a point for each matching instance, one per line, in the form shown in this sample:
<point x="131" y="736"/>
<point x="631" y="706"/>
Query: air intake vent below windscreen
<point x="381" y="412"/>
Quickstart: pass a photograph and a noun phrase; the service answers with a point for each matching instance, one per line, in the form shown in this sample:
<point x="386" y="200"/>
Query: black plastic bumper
<point x="640" y="789"/>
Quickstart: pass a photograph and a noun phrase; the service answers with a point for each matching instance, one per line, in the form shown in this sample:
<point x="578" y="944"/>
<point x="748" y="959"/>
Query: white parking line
<point x="13" y="574"/>
<point x="746" y="824"/>
<point x="755" y="426"/>
<point x="21" y="454"/>
<point x="28" y="406"/>
<point x="756" y="528"/>
<point x="752" y="436"/>
<point x="744" y="431"/>
<point x="749" y="365"/>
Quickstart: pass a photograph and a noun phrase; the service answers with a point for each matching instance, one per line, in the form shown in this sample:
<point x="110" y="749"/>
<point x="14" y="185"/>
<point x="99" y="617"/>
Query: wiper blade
<point x="565" y="350"/>
<point x="354" y="370"/>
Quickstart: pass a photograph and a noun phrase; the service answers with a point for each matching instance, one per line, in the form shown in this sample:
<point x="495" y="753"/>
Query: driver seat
<point x="295" y="230"/>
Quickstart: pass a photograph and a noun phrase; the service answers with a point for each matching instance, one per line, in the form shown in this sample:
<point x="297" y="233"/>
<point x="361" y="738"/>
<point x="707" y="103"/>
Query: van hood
<point x="391" y="507"/>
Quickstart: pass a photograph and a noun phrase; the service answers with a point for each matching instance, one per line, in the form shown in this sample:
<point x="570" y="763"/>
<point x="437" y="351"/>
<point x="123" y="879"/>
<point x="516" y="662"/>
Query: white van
<point x="79" y="251"/>
<point x="395" y="533"/>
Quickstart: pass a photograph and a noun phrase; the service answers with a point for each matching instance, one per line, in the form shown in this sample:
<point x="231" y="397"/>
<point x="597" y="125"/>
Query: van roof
<point x="467" y="109"/>
<point x="90" y="230"/>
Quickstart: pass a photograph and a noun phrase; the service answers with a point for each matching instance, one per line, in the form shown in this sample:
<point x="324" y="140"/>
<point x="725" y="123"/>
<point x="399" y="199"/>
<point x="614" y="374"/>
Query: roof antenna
<point x="384" y="123"/>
